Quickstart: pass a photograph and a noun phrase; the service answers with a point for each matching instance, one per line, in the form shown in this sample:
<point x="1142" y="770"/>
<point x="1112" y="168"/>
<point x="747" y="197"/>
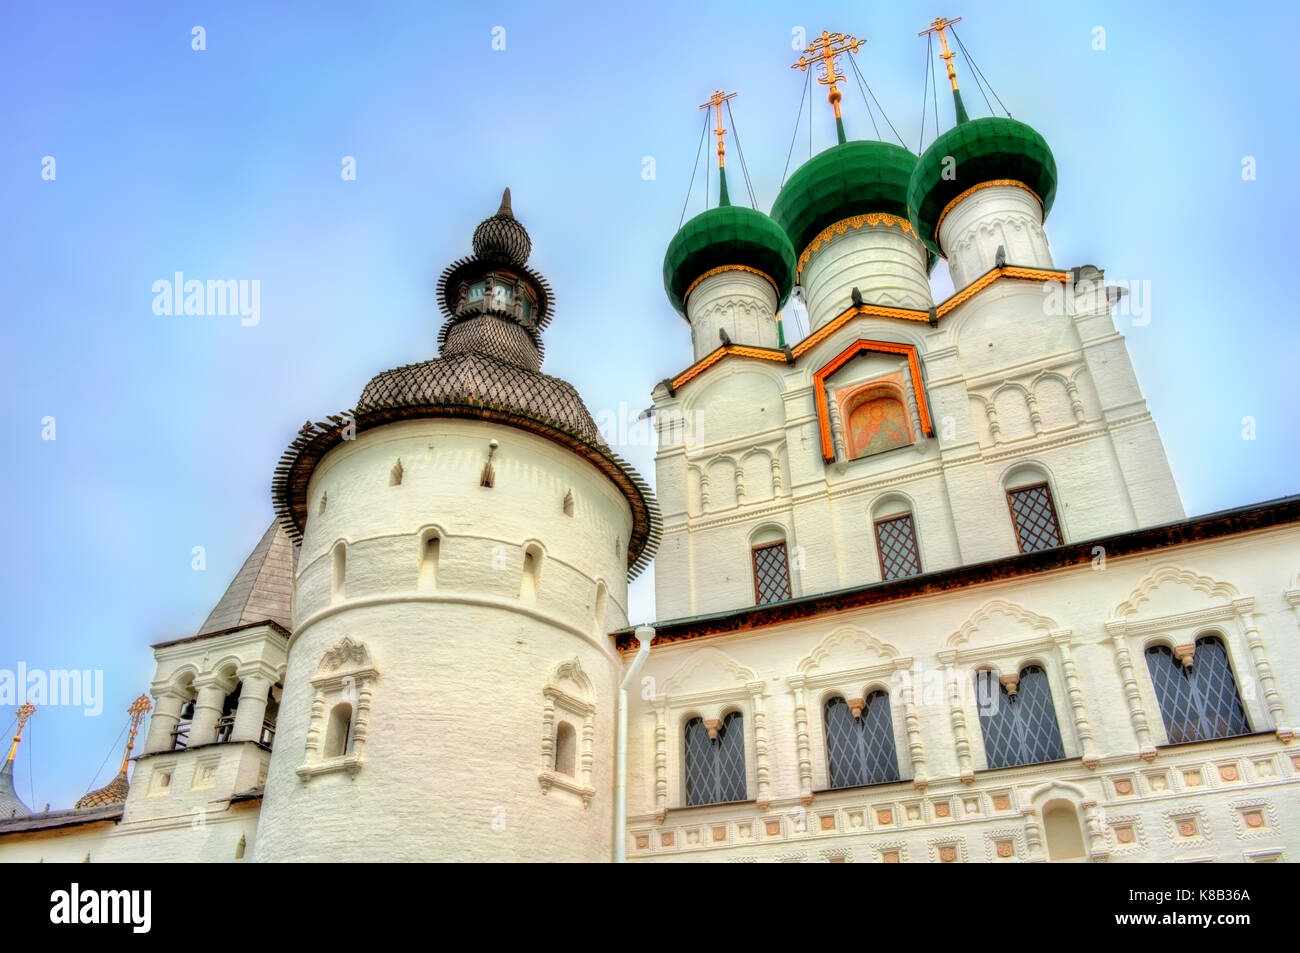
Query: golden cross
<point x="139" y="708"/>
<point x="25" y="712"/>
<point x="825" y="48"/>
<point x="715" y="102"/>
<point x="939" y="26"/>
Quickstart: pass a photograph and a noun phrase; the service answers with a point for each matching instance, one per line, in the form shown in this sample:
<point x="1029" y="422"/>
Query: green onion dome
<point x="982" y="150"/>
<point x="848" y="179"/>
<point x="729" y="236"/>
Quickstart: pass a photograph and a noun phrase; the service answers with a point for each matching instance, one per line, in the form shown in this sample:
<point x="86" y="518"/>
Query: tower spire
<point x="825" y="49"/>
<point x="25" y="712"/>
<point x="715" y="103"/>
<point x="940" y="26"/>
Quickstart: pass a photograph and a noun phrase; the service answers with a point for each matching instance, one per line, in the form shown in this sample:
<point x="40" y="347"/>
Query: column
<point x="166" y="714"/>
<point x="207" y="709"/>
<point x="1074" y="691"/>
<point x="251" y="711"/>
<point x="912" y="721"/>
<point x="802" y="744"/>
<point x="1116" y="628"/>
<point x="1263" y="669"/>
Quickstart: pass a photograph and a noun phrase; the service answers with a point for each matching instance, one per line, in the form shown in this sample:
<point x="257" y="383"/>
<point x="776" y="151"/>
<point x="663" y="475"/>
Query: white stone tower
<point x="466" y="539"/>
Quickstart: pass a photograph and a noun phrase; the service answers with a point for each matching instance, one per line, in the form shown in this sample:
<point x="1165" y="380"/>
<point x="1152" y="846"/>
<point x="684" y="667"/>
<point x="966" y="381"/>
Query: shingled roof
<point x="262" y="588"/>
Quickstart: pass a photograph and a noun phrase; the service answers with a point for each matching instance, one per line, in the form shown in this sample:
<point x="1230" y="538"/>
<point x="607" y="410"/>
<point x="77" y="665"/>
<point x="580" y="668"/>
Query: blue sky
<point x="225" y="164"/>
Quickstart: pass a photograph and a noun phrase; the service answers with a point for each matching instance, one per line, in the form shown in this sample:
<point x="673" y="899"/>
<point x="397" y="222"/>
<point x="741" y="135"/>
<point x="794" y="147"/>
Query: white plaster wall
<point x="882" y="261"/>
<point x="1172" y="595"/>
<point x="455" y="729"/>
<point x="738" y="302"/>
<point x="998" y="215"/>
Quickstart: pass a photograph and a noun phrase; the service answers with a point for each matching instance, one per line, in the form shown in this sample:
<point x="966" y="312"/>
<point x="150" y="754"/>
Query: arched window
<point x="1033" y="513"/>
<point x="1197" y="692"/>
<point x="1017" y="718"/>
<point x="896" y="544"/>
<point x="874" y="422"/>
<point x="715" y="760"/>
<point x="337" y="742"/>
<point x="771" y="573"/>
<point x="860" y="741"/>
<point x="566" y="747"/>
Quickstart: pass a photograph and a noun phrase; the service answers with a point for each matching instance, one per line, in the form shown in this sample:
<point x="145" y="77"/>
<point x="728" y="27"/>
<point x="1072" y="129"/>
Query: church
<point x="925" y="589"/>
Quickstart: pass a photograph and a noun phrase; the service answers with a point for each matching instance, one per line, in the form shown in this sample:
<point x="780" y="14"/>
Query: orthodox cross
<point x="825" y="48"/>
<point x="139" y="708"/>
<point x="939" y="26"/>
<point x="715" y="102"/>
<point x="25" y="712"/>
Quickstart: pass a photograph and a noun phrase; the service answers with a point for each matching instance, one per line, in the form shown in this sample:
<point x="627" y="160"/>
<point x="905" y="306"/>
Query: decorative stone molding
<point x="345" y="673"/>
<point x="1004" y="845"/>
<point x="1187" y="826"/>
<point x="569" y="693"/>
<point x="1255" y="819"/>
<point x="694" y="688"/>
<point x="947" y="850"/>
<point x="1184" y="653"/>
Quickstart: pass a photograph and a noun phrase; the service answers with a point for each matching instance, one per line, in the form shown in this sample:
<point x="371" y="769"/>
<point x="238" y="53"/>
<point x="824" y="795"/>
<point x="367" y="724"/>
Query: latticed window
<point x="1034" y="514"/>
<point x="715" y="766"/>
<point x="1019" y="726"/>
<point x="896" y="543"/>
<point x="860" y="748"/>
<point x="1198" y="701"/>
<point x="771" y="573"/>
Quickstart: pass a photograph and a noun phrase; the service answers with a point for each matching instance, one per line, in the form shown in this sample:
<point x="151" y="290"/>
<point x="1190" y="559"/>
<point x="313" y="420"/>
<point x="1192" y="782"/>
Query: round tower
<point x="466" y="539"/>
<point x="730" y="269"/>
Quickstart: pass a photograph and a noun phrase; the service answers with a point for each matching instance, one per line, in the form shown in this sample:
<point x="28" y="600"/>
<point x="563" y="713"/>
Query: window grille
<point x="715" y="767"/>
<point x="1034" y="516"/>
<point x="1019" y="728"/>
<point x="771" y="573"/>
<point x="896" y="543"/>
<point x="860" y="750"/>
<point x="1199" y="702"/>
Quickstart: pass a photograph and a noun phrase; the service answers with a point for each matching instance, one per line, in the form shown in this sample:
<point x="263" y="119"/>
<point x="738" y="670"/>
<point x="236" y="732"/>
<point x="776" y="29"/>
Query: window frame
<point x="1046" y="486"/>
<point x="753" y="562"/>
<point x="880" y="549"/>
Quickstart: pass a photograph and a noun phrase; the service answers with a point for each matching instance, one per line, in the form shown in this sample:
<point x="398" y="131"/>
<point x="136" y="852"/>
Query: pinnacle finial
<point x="505" y="205"/>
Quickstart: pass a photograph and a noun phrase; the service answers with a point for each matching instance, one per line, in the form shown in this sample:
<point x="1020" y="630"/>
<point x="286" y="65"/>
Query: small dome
<point x="114" y="792"/>
<point x="852" y="178"/>
<point x="501" y="237"/>
<point x="981" y="150"/>
<point x="727" y="235"/>
<point x="11" y="805"/>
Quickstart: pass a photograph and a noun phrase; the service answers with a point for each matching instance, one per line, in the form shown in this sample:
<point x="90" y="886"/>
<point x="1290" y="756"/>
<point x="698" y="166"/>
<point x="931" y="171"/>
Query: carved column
<point x="1076" y="403"/>
<point x="1117" y="630"/>
<point x="314" y="727"/>
<point x="991" y="413"/>
<point x="912" y="722"/>
<point x="1035" y="418"/>
<point x="1033" y="837"/>
<point x="803" y="746"/>
<point x="776" y="474"/>
<point x="957" y="715"/>
<point x="1097" y="848"/>
<point x="837" y="430"/>
<point x="588" y="758"/>
<point x="740" y="483"/>
<point x="1263" y="669"/>
<point x="1074" y="691"/>
<point x="364" y="695"/>
<point x="661" y="763"/>
<point x="548" y="731"/>
<point x="704" y="490"/>
<point x="762" y="770"/>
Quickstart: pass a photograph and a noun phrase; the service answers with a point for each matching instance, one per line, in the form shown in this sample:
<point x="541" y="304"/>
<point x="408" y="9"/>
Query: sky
<point x="129" y="155"/>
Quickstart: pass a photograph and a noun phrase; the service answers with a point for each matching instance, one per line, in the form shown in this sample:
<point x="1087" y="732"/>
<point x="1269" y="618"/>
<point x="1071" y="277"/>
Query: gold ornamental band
<point x="1014" y="183"/>
<point x="721" y="268"/>
<point x="872" y="219"/>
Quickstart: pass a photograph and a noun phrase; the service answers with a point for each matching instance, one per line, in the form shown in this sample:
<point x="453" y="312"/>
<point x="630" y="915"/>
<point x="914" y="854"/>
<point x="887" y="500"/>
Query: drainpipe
<point x="645" y="634"/>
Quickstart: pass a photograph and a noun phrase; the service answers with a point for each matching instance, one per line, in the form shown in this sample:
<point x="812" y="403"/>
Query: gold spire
<point x="825" y="48"/>
<point x="139" y="708"/>
<point x="25" y="712"/>
<point x="940" y="25"/>
<point x="715" y="102"/>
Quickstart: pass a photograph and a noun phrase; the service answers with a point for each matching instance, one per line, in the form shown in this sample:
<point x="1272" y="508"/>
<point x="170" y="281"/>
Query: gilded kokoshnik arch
<point x="861" y="346"/>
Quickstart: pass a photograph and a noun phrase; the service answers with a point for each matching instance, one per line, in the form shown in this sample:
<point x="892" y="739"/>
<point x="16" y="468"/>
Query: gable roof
<point x="262" y="588"/>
